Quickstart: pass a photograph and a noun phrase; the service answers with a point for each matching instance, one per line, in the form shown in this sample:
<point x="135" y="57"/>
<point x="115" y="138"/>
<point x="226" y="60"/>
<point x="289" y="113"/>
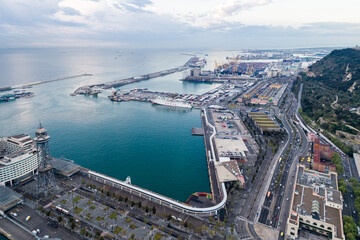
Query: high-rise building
<point x="18" y="158"/>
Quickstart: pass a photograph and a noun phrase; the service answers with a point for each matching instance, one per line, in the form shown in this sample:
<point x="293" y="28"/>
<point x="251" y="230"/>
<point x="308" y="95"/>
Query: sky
<point x="216" y="24"/>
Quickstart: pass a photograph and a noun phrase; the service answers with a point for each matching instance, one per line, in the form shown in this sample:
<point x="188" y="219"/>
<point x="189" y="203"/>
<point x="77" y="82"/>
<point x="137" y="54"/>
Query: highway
<point x="301" y="151"/>
<point x="276" y="207"/>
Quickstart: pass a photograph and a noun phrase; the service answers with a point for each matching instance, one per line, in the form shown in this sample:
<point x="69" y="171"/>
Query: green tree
<point x="83" y="231"/>
<point x="353" y="182"/>
<point x="357" y="204"/>
<point x="350" y="228"/>
<point x="339" y="169"/>
<point x="350" y="236"/>
<point x="356" y="191"/>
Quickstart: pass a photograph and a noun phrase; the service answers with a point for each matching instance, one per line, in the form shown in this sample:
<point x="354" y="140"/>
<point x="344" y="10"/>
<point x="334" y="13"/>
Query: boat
<point x="19" y="93"/>
<point x="7" y="97"/>
<point x="94" y="92"/>
<point x="171" y="102"/>
<point x="199" y="63"/>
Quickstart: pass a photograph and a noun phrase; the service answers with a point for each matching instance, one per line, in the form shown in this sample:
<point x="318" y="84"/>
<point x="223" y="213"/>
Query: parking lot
<point x="37" y="221"/>
<point x="232" y="138"/>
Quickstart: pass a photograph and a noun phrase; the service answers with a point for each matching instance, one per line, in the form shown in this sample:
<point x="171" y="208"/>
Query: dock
<point x="145" y="95"/>
<point x="197" y="131"/>
<point x="118" y="83"/>
<point x="217" y="79"/>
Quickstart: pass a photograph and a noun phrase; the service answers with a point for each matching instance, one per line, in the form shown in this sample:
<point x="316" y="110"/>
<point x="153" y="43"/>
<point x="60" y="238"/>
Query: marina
<point x="19" y="93"/>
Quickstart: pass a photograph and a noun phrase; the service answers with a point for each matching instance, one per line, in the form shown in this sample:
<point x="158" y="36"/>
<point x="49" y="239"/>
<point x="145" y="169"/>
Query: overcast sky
<point x="218" y="24"/>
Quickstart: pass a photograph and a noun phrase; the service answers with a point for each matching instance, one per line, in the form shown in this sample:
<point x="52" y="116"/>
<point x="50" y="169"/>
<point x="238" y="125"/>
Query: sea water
<point x="150" y="143"/>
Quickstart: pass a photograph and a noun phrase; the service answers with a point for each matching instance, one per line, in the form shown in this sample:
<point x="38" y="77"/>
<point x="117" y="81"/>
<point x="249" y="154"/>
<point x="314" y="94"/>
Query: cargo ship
<point x="171" y="102"/>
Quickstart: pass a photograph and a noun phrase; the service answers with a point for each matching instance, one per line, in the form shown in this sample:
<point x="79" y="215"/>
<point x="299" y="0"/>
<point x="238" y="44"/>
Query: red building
<point x="322" y="155"/>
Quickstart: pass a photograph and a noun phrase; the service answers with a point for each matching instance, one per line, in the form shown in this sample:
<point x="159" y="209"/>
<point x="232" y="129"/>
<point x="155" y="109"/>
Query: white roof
<point x="224" y="159"/>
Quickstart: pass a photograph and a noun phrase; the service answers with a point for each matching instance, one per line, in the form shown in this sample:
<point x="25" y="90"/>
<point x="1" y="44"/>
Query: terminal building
<point x="316" y="205"/>
<point x="18" y="159"/>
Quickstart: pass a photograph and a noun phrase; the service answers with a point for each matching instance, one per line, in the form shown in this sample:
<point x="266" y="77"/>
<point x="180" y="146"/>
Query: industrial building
<point x="228" y="171"/>
<point x="263" y="122"/>
<point x="316" y="205"/>
<point x="265" y="93"/>
<point x="18" y="159"/>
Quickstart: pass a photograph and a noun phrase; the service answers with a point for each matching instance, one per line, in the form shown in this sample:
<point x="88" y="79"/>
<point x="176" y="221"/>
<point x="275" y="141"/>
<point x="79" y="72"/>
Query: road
<point x="276" y="206"/>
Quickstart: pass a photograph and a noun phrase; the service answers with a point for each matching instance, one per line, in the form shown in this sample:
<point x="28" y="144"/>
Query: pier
<point x="160" y="199"/>
<point x="145" y="95"/>
<point x="197" y="131"/>
<point x="118" y="83"/>
<point x="26" y="85"/>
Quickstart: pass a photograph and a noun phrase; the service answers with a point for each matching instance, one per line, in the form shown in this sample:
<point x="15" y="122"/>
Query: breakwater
<point x="95" y="88"/>
<point x="26" y="85"/>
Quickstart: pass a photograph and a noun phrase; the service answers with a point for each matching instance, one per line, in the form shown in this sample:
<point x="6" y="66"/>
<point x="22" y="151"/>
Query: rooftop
<point x="15" y="157"/>
<point x="263" y="121"/>
<point x="65" y="167"/>
<point x="313" y="191"/>
<point x="8" y="198"/>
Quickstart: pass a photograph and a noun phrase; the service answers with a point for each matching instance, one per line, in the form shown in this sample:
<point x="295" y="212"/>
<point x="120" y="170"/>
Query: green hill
<point x="338" y="70"/>
<point x="336" y="76"/>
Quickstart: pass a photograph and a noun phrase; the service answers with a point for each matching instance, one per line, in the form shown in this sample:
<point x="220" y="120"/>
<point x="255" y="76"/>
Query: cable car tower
<point x="46" y="178"/>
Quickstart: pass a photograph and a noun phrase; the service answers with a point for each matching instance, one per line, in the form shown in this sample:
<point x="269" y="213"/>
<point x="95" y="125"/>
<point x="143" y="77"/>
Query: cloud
<point x="70" y="11"/>
<point x="139" y="3"/>
<point x="220" y="15"/>
<point x="135" y="6"/>
<point x="216" y="23"/>
<point x="230" y="8"/>
<point x="24" y="13"/>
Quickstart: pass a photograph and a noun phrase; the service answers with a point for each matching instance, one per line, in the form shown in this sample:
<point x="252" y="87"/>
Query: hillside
<point x="331" y="93"/>
<point x="338" y="70"/>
